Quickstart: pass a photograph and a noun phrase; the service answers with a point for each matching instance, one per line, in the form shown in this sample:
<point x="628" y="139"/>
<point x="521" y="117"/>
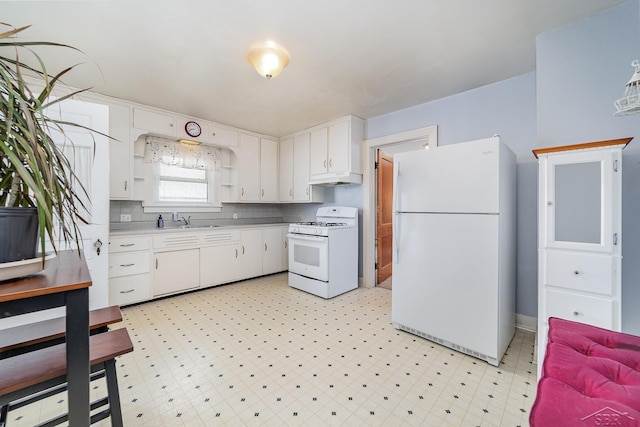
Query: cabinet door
<point x="286" y="170"/>
<point x="339" y="147"/>
<point x="249" y="168"/>
<point x="301" y="168"/>
<point x="219" y="264"/>
<point x="223" y="137"/>
<point x="176" y="271"/>
<point x="272" y="248"/>
<point x="318" y="151"/>
<point x="268" y="170"/>
<point x="120" y="153"/>
<point x="153" y="121"/>
<point x="579" y="200"/>
<point x="251" y="253"/>
<point x="285" y="248"/>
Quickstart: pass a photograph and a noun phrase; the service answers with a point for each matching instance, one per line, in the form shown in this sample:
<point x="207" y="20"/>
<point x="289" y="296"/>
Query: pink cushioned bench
<point x="590" y="377"/>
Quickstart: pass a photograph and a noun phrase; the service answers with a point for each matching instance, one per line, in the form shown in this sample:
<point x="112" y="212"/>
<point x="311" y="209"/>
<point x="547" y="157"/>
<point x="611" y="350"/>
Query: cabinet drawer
<point x="127" y="263"/>
<point x="580" y="271"/>
<point x="128" y="244"/>
<point x="129" y="289"/>
<point x="580" y="308"/>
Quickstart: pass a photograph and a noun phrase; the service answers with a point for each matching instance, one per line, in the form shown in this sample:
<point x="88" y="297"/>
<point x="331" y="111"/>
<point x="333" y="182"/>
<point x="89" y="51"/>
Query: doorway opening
<point x="417" y="139"/>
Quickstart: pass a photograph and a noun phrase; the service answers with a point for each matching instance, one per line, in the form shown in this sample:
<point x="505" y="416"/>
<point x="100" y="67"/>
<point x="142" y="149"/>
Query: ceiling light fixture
<point x="630" y="101"/>
<point x="268" y="58"/>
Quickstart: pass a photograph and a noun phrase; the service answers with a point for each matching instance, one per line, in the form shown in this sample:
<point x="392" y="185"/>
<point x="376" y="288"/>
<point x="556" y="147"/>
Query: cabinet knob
<point x="576" y="313"/>
<point x="265" y="247"/>
<point x="330" y="163"/>
<point x="262" y="194"/>
<point x="576" y="272"/>
<point x="325" y="164"/>
<point x="125" y="185"/>
<point x="549" y="203"/>
<point x="127" y="292"/>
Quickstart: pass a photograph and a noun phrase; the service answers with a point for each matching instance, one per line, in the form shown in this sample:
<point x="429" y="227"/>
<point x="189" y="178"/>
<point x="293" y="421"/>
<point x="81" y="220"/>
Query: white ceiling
<point x="362" y="57"/>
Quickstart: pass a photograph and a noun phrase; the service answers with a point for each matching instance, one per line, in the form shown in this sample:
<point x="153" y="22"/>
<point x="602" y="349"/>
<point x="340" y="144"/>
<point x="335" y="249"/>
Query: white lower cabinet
<point x="219" y="264"/>
<point x="251" y="253"/>
<point x="129" y="289"/>
<point x="129" y="272"/>
<point x="145" y="267"/>
<point x="272" y="248"/>
<point x="176" y="271"/>
<point x="285" y="248"/>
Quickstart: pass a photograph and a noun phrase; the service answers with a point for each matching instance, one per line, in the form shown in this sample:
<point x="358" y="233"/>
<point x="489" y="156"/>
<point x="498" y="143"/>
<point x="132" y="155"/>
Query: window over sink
<point x="180" y="176"/>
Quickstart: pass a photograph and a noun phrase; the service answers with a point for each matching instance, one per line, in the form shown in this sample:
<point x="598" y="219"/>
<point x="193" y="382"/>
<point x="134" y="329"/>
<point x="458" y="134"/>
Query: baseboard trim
<point x="526" y="322"/>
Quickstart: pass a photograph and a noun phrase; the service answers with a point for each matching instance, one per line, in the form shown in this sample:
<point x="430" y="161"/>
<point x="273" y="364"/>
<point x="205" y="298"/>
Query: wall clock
<point x="193" y="129"/>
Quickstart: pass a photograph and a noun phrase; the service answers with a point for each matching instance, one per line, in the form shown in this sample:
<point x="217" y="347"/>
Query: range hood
<point x="331" y="179"/>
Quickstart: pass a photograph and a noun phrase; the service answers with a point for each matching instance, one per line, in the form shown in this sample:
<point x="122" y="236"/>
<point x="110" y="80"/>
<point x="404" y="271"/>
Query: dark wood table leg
<point x="78" y="369"/>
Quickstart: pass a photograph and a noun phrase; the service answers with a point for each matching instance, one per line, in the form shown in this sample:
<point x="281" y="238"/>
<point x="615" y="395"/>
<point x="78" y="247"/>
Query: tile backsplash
<point x="245" y="213"/>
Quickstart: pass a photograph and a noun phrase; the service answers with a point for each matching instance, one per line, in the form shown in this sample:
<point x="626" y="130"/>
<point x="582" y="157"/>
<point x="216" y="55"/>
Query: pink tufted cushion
<point x="590" y="377"/>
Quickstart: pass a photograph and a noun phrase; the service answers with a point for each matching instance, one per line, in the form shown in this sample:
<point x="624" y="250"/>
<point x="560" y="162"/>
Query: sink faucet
<point x="187" y="221"/>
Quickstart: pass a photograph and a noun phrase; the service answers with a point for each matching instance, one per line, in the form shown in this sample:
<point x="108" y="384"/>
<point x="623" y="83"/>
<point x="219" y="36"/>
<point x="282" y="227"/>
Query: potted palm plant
<point x="38" y="189"/>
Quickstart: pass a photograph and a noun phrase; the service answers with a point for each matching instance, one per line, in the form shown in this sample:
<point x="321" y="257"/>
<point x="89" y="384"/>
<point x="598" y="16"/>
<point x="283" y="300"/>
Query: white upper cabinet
<point x="335" y="151"/>
<point x="294" y="171"/>
<point x="159" y="122"/>
<point x="223" y="137"/>
<point x="249" y="168"/>
<point x="257" y="169"/>
<point x="121" y="179"/>
<point x="286" y="169"/>
<point x="319" y="151"/>
<point x="302" y="190"/>
<point x="268" y="170"/>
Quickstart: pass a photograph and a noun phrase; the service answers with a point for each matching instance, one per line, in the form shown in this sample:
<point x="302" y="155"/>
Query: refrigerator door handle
<point x="396" y="236"/>
<point x="396" y="209"/>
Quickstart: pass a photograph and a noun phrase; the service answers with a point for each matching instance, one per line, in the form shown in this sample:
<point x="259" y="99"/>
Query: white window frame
<point x="152" y="204"/>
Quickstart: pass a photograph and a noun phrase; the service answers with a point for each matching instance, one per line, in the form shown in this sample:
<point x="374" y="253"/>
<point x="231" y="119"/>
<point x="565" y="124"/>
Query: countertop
<point x="149" y="230"/>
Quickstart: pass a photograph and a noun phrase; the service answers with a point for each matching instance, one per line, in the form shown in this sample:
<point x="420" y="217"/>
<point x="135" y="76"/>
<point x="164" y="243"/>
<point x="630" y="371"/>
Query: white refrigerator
<point x="454" y="246"/>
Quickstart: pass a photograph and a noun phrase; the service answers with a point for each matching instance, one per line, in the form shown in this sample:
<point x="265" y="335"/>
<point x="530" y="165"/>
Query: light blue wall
<point x="506" y="108"/>
<point x="581" y="70"/>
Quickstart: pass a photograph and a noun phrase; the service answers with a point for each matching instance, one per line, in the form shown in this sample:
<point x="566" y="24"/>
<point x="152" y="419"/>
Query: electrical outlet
<point x="235" y="216"/>
<point x="125" y="218"/>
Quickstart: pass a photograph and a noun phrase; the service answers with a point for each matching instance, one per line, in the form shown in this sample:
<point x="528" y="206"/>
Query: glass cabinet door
<point x="578" y="203"/>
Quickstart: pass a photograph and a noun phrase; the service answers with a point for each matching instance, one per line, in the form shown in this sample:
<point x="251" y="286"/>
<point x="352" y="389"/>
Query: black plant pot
<point x="18" y="233"/>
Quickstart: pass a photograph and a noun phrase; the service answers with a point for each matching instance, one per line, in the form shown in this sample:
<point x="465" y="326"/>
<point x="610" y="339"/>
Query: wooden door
<point x="384" y="213"/>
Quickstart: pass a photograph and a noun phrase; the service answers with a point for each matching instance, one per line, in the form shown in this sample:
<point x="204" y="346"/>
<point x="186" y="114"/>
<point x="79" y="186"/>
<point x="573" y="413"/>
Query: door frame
<point x="396" y="143"/>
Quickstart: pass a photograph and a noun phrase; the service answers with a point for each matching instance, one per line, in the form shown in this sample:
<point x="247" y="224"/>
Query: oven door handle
<point x="305" y="237"/>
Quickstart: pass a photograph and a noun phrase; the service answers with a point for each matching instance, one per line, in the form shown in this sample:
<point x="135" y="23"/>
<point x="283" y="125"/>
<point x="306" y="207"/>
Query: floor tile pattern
<point x="259" y="353"/>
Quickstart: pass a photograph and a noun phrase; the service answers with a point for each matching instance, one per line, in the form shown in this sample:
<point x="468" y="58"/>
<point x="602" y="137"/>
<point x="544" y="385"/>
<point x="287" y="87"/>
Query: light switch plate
<point x="125" y="218"/>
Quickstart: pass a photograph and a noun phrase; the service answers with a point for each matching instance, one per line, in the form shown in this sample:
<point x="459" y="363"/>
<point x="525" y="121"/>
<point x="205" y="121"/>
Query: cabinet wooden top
<point x="68" y="271"/>
<point x="607" y="143"/>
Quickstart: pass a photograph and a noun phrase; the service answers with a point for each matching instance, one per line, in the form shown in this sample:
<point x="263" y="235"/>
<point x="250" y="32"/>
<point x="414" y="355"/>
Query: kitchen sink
<point x="197" y="226"/>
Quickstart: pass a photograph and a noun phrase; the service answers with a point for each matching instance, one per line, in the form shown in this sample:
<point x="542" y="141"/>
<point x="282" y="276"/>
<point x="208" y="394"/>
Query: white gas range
<point x="323" y="254"/>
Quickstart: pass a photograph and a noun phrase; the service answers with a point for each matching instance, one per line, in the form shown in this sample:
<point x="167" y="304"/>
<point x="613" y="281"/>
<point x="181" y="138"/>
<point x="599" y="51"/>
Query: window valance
<point x="173" y="153"/>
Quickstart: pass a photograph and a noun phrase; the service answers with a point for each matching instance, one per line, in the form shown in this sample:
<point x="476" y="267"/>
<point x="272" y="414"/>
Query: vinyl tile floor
<point x="259" y="353"/>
